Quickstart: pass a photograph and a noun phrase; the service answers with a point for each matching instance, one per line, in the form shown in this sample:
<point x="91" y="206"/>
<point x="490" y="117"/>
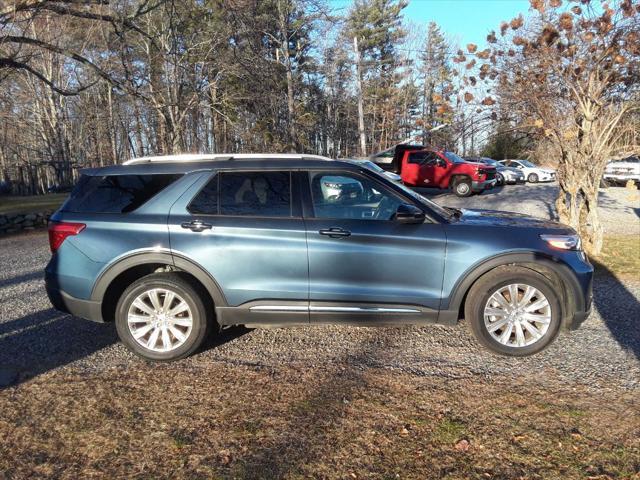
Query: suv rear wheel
<point x="462" y="187"/>
<point x="514" y="311"/>
<point x="161" y="317"/>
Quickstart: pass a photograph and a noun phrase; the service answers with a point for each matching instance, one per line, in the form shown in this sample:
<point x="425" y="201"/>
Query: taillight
<point x="59" y="231"/>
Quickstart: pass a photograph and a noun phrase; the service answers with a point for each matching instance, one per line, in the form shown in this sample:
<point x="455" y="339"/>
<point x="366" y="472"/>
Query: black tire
<point x="177" y="284"/>
<point x="484" y="288"/>
<point x="462" y="187"/>
<point x="532" y="178"/>
<point x="499" y="179"/>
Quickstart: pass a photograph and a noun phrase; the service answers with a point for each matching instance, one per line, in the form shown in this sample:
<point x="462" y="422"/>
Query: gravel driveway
<point x="603" y="354"/>
<point x="619" y="207"/>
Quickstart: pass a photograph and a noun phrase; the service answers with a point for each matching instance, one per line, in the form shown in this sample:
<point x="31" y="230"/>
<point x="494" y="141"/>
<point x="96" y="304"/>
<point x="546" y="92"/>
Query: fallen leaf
<point x="463" y="445"/>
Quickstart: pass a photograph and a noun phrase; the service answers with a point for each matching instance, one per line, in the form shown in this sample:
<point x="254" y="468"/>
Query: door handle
<point x="197" y="225"/>
<point x="335" y="232"/>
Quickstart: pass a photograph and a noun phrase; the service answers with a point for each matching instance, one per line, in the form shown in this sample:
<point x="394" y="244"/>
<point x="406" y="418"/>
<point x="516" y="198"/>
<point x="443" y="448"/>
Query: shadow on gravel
<point x="45" y="340"/>
<point x="27" y="277"/>
<point x="48" y="339"/>
<point x="618" y="307"/>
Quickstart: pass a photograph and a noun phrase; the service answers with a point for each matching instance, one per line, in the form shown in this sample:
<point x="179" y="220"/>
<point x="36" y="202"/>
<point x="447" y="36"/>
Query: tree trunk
<point x="363" y="138"/>
<point x="577" y="206"/>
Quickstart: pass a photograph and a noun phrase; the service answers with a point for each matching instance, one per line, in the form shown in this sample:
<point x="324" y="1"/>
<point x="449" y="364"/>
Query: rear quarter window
<point x="115" y="193"/>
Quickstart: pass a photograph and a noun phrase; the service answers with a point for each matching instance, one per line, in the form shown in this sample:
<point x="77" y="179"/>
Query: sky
<point x="463" y="21"/>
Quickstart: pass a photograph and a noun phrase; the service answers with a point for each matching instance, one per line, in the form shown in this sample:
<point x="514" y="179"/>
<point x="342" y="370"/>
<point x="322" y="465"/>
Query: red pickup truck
<point x="426" y="167"/>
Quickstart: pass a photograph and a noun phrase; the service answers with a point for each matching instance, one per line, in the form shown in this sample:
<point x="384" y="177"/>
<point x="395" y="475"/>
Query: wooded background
<point x="91" y="83"/>
<point x="95" y="82"/>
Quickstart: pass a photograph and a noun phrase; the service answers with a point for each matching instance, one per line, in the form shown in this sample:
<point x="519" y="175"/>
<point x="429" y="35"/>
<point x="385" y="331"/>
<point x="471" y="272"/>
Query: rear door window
<point x="256" y="194"/>
<point x="115" y="193"/>
<point x="422" y="158"/>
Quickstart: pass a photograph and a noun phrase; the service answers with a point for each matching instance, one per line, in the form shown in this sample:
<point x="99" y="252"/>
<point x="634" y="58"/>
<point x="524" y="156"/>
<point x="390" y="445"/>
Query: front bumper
<point x="485" y="185"/>
<point x="546" y="177"/>
<point x="87" y="309"/>
<point x="579" y="283"/>
<point x="578" y="319"/>
<point x="513" y="178"/>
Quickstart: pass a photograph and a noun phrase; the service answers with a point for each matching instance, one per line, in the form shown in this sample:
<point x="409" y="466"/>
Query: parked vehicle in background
<point x="336" y="189"/>
<point x="394" y="177"/>
<point x="532" y="172"/>
<point x="425" y="167"/>
<point x="621" y="171"/>
<point x="171" y="248"/>
<point x="504" y="175"/>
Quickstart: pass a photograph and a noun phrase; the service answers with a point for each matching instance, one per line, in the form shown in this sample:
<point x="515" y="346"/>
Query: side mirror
<point x="441" y="163"/>
<point x="407" y="213"/>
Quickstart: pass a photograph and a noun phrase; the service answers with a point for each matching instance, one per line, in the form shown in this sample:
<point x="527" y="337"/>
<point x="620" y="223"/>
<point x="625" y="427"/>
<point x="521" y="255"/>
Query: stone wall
<point x="17" y="222"/>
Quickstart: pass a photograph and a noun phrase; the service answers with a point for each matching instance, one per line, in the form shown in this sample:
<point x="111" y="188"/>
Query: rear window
<point x="115" y="193"/>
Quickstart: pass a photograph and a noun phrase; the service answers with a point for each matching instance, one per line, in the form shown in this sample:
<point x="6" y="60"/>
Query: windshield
<point x="527" y="163"/>
<point x="453" y="157"/>
<point x="490" y="161"/>
<point x="373" y="166"/>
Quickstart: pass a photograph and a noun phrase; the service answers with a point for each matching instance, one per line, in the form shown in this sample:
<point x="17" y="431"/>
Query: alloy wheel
<point x="517" y="315"/>
<point x="160" y="320"/>
<point x="462" y="188"/>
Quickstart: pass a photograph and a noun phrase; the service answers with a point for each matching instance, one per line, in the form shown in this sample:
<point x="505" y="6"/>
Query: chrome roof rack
<point x="202" y="157"/>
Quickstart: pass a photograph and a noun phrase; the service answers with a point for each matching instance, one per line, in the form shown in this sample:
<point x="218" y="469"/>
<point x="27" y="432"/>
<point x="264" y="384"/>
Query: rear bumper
<point x="77" y="307"/>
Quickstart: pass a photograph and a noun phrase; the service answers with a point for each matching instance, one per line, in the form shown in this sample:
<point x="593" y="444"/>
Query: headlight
<point x="563" y="242"/>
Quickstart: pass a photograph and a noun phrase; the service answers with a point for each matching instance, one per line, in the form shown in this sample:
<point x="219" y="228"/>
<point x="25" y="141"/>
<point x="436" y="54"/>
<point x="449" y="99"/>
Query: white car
<point x="376" y="168"/>
<point x="623" y="170"/>
<point x="532" y="172"/>
<point x="340" y="188"/>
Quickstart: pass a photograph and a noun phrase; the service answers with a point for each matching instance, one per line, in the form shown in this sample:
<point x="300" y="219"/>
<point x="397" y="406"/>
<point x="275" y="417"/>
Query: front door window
<point x="347" y="195"/>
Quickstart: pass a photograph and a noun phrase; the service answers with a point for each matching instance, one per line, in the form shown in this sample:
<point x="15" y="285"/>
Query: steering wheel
<point x="385" y="209"/>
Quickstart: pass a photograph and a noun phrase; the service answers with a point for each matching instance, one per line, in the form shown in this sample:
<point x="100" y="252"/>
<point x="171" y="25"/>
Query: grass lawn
<point x="620" y="256"/>
<point x="31" y="204"/>
<point x="235" y="422"/>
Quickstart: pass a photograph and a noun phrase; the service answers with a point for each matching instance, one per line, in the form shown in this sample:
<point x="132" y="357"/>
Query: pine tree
<point x="436" y="78"/>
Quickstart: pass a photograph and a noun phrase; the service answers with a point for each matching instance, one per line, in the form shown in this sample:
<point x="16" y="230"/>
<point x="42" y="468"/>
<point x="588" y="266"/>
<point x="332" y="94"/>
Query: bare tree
<point x="570" y="78"/>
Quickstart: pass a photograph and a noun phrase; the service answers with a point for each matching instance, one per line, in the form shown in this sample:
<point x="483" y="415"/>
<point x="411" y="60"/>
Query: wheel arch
<point x="552" y="268"/>
<point x="457" y="178"/>
<point x="118" y="276"/>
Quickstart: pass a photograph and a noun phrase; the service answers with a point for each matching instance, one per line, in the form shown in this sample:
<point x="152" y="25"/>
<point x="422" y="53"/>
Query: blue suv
<point x="172" y="248"/>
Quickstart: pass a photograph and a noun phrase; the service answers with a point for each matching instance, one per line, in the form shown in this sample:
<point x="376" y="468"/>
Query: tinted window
<point x="206" y="202"/>
<point x="422" y="157"/>
<point x="265" y="194"/>
<point x="350" y="196"/>
<point x="115" y="193"/>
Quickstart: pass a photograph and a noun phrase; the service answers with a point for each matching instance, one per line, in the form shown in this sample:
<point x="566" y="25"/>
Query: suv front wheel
<point x="161" y="317"/>
<point x="514" y="311"/>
